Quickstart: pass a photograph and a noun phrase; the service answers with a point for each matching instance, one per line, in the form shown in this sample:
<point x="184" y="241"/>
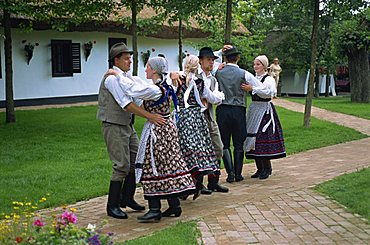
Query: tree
<point x="60" y="14"/>
<point x="315" y="25"/>
<point x="180" y="11"/>
<point x="228" y="21"/>
<point x="353" y="39"/>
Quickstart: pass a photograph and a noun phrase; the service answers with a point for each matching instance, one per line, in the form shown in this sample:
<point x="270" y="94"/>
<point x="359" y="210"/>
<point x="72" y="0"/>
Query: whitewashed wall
<point x="35" y="80"/>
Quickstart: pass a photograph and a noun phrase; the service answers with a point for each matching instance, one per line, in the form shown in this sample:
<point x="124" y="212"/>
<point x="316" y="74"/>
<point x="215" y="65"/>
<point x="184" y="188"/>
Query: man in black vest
<point x="231" y="114"/>
<point x="116" y="111"/>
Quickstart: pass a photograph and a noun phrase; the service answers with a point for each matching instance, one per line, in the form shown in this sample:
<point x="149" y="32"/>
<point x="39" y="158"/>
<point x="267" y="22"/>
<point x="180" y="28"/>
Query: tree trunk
<point x="359" y="74"/>
<point x="317" y="83"/>
<point x="308" y="105"/>
<point x="228" y="22"/>
<point x="134" y="37"/>
<point x="10" y="113"/>
<point x="327" y="81"/>
<point x="180" y="44"/>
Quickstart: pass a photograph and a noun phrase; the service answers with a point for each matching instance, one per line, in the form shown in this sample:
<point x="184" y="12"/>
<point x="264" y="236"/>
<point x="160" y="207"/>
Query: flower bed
<point x="23" y="226"/>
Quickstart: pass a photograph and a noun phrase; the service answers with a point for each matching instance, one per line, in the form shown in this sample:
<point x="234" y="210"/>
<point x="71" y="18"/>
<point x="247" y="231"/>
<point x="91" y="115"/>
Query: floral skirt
<point x="270" y="143"/>
<point x="172" y="178"/>
<point x="195" y="142"/>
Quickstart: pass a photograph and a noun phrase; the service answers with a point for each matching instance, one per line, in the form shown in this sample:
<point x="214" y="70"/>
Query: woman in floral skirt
<point x="159" y="163"/>
<point x="195" y="141"/>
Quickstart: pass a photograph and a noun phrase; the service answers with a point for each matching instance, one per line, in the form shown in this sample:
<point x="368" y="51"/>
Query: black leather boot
<point x="213" y="184"/>
<point x="173" y="209"/>
<point x="154" y="214"/>
<point x="228" y="163"/>
<point x="238" y="165"/>
<point x="128" y="193"/>
<point x="204" y="190"/>
<point x="113" y="209"/>
<point x="259" y="166"/>
<point x="267" y="170"/>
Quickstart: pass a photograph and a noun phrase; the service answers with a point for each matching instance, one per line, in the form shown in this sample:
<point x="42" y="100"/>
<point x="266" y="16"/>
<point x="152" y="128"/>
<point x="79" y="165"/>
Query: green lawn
<point x="340" y="104"/>
<point x="351" y="190"/>
<point x="179" y="234"/>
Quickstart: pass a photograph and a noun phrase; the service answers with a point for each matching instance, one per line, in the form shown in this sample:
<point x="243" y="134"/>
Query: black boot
<point x="259" y="166"/>
<point x="267" y="170"/>
<point x="213" y="184"/>
<point x="128" y="193"/>
<point x="204" y="190"/>
<point x="228" y="163"/>
<point x="238" y="165"/>
<point x="113" y="209"/>
<point x="173" y="209"/>
<point x="154" y="214"/>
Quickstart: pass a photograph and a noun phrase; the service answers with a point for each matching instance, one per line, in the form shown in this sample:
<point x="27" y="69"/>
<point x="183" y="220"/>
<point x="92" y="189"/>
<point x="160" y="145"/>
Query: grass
<point x="62" y="152"/>
<point x="351" y="190"/>
<point x="181" y="233"/>
<point x="340" y="104"/>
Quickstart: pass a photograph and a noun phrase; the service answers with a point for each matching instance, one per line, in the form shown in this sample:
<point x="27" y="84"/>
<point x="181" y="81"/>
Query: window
<point x="66" y="58"/>
<point x="111" y="42"/>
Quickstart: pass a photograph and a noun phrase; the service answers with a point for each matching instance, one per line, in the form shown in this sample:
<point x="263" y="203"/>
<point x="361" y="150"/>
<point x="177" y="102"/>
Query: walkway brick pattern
<point x="280" y="210"/>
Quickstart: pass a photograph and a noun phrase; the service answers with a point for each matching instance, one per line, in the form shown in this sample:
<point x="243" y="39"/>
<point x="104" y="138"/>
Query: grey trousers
<point x="215" y="137"/>
<point x="122" y="143"/>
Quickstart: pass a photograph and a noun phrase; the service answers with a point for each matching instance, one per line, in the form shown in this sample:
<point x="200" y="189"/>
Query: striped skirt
<point x="264" y="133"/>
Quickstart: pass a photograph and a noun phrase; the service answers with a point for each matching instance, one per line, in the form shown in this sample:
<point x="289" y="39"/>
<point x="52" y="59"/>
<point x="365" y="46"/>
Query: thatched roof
<point x="119" y="24"/>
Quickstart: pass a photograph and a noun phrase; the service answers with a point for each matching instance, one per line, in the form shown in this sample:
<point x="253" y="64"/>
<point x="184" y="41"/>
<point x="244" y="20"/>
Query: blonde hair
<point x="190" y="66"/>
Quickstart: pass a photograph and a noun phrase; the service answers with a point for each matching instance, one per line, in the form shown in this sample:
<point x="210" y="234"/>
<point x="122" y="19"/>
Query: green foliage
<point x="60" y="14"/>
<point x="353" y="33"/>
<point x="351" y="190"/>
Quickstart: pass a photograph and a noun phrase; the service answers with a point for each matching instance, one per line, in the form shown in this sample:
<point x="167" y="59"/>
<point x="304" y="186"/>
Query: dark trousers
<point x="231" y="121"/>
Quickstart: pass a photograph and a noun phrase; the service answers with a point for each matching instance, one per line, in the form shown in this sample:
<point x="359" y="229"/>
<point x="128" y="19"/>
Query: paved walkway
<point x="280" y="210"/>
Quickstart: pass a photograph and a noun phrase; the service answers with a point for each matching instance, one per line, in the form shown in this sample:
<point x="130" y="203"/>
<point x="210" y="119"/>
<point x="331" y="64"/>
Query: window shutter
<point x="76" y="58"/>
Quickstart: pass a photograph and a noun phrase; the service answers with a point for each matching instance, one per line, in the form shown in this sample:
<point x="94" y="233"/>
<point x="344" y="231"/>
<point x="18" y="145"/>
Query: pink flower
<point x="38" y="223"/>
<point x="70" y="217"/>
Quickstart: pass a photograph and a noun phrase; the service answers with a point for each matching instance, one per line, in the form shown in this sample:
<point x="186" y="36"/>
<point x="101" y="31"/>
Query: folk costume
<point x="265" y="139"/>
<point x="195" y="142"/>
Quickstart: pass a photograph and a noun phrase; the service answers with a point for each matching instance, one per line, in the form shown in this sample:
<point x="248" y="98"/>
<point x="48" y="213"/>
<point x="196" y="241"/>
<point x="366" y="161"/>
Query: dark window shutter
<point x="76" y="58"/>
<point x="61" y="55"/>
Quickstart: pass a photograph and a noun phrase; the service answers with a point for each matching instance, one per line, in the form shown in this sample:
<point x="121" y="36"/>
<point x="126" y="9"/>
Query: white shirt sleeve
<point x="217" y="62"/>
<point x="138" y="88"/>
<point x="214" y="97"/>
<point x="269" y="90"/>
<point x="111" y="83"/>
<point x="262" y="89"/>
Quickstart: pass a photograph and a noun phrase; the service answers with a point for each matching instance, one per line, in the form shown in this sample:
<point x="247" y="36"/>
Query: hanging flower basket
<point x="87" y="48"/>
<point x="145" y="56"/>
<point x="28" y="49"/>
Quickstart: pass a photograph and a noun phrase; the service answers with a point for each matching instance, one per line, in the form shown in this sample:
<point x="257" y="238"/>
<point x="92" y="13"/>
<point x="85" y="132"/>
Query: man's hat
<point x="230" y="51"/>
<point x="118" y="49"/>
<point x="206" y="52"/>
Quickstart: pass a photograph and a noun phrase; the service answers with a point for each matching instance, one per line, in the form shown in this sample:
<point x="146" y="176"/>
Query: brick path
<point x="280" y="210"/>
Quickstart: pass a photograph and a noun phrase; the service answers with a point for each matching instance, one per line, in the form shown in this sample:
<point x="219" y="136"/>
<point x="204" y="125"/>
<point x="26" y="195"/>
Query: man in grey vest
<point x="231" y="114"/>
<point x="206" y="60"/>
<point x="116" y="111"/>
